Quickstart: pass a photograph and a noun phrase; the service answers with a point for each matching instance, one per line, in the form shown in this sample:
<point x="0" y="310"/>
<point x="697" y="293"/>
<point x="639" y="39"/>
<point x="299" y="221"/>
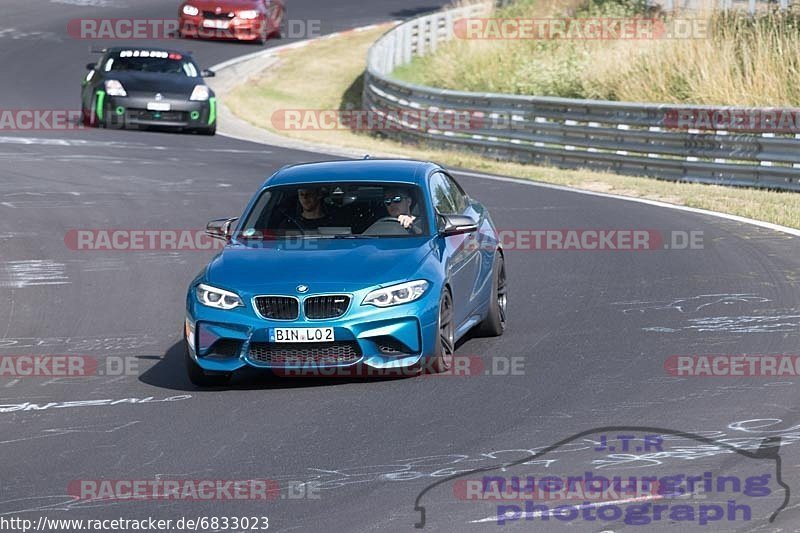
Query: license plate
<point x="301" y="335"/>
<point x="217" y="24"/>
<point x="158" y="106"/>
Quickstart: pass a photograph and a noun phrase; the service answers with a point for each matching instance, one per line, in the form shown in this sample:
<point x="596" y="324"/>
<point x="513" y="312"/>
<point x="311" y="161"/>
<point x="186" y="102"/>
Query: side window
<point x="442" y="195"/>
<point x="257" y="217"/>
<point x="459" y="196"/>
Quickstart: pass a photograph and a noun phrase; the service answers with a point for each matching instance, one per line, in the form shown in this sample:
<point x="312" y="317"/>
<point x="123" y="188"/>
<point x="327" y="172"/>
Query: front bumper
<point x="389" y="338"/>
<point x="126" y="111"/>
<point x="238" y="29"/>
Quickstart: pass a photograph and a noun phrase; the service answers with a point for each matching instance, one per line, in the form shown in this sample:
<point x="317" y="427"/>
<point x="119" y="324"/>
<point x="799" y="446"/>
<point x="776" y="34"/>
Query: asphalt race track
<point x="592" y="330"/>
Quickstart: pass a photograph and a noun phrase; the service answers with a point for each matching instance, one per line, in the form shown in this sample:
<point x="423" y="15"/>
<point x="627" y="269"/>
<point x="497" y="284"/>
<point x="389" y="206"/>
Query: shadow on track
<point x="170" y="373"/>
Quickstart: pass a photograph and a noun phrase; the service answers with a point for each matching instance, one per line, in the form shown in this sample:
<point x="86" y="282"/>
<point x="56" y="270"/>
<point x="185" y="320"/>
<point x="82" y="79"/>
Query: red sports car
<point x="244" y="20"/>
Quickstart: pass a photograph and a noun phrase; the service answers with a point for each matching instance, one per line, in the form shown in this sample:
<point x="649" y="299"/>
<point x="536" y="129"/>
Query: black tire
<point x="211" y="130"/>
<point x="445" y="342"/>
<point x="106" y="121"/>
<point x="89" y="117"/>
<point x="198" y="376"/>
<point x="495" y="322"/>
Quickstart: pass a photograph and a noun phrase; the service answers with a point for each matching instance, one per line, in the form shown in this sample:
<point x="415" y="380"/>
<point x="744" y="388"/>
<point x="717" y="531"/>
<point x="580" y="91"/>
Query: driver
<point x="398" y="205"/>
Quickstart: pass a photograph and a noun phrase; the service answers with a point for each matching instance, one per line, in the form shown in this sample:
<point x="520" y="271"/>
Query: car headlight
<point x="397" y="294"/>
<point x="249" y="14"/>
<point x="200" y="93"/>
<point x="190" y="10"/>
<point x="219" y="298"/>
<point x="115" y="88"/>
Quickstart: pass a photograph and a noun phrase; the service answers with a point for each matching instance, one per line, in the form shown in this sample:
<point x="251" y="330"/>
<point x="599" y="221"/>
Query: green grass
<point x="742" y="60"/>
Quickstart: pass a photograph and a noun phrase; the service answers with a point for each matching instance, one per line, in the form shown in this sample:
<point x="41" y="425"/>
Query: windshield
<point x="337" y="210"/>
<point x="151" y="61"/>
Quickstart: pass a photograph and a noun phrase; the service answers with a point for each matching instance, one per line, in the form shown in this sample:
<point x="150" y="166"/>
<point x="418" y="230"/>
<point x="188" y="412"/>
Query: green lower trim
<point x="101" y="98"/>
<point x="212" y="110"/>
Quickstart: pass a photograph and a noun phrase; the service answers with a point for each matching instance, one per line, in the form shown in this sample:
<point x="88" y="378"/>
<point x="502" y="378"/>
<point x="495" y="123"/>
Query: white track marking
<point x="32" y="273"/>
<point x="656" y="203"/>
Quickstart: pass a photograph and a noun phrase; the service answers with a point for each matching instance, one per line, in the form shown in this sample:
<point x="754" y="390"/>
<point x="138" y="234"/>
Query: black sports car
<point x="140" y="87"/>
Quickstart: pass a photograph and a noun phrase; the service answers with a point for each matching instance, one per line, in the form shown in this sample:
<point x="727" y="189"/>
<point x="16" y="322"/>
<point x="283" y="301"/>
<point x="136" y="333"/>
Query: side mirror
<point x="90" y="66"/>
<point x="221" y="228"/>
<point x="457" y="224"/>
<point x="208" y="73"/>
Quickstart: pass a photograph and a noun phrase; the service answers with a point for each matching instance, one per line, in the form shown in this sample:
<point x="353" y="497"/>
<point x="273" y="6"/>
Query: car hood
<point x="332" y="265"/>
<point x="152" y="82"/>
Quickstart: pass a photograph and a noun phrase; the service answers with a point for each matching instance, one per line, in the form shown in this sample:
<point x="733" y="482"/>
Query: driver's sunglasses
<point x="393" y="200"/>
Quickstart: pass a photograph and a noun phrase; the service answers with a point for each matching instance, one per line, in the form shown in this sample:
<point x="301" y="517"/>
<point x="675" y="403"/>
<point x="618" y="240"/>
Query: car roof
<point x="115" y="49"/>
<point x="376" y="170"/>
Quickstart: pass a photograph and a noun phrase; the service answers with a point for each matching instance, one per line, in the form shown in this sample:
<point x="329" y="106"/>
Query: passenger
<point x="312" y="214"/>
<point x="311" y="204"/>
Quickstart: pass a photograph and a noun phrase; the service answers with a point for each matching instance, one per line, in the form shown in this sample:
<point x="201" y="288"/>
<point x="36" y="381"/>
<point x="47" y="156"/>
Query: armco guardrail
<point x="751" y="6"/>
<point x="663" y="141"/>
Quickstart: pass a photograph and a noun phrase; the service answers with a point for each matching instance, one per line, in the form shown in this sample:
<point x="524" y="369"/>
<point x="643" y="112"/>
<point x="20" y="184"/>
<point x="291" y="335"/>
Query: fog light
<point x="225" y="349"/>
<point x="120" y="110"/>
<point x="195" y="115"/>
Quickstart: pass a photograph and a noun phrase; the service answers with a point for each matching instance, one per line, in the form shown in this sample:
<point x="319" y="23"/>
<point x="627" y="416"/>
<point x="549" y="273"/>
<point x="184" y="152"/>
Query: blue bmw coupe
<point x="378" y="264"/>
